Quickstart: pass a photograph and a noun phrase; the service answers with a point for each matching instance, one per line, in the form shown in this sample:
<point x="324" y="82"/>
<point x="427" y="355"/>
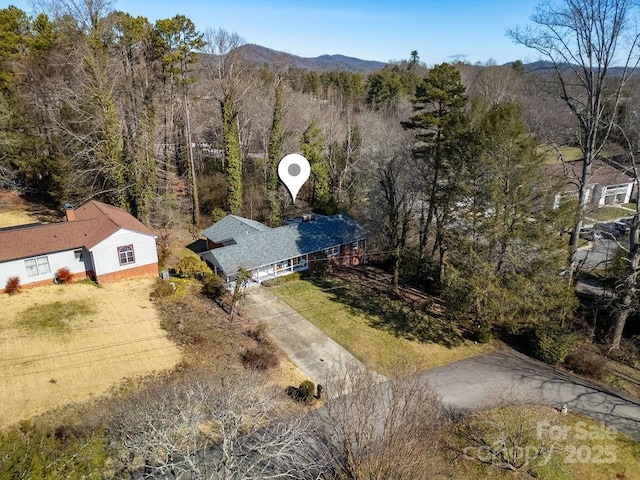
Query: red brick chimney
<point x="71" y="214"/>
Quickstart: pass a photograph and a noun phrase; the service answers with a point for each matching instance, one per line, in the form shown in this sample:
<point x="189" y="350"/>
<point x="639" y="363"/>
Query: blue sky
<point x="441" y="30"/>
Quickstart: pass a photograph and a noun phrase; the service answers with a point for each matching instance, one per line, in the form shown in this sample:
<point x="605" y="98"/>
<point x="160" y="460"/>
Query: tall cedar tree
<point x="231" y="148"/>
<point x="312" y="147"/>
<point x="274" y="154"/>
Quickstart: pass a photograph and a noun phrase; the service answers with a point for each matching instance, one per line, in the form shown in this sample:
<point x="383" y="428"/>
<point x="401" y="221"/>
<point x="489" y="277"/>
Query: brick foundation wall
<point x="141" y="271"/>
<point x="76" y="276"/>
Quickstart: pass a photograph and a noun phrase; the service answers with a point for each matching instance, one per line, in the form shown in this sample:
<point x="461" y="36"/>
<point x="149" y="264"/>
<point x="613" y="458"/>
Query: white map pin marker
<point x="294" y="170"/>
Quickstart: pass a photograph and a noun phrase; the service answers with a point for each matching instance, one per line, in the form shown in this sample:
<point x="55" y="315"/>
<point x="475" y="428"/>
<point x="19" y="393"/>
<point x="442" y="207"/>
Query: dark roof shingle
<point x="94" y="222"/>
<point x="277" y="244"/>
<point x="601" y="173"/>
<point x="232" y="227"/>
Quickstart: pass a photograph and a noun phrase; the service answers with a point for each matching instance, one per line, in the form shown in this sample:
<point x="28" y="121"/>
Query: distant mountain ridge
<point x="266" y="56"/>
<point x="546" y="66"/>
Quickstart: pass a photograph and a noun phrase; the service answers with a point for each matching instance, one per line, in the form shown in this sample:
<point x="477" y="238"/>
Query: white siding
<point x="105" y="253"/>
<point x="66" y="259"/>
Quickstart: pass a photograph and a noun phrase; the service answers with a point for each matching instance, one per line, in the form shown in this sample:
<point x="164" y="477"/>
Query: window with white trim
<point x="77" y="254"/>
<point x="332" y="251"/>
<point x="37" y="266"/>
<point x="126" y="255"/>
<point x="354" y="245"/>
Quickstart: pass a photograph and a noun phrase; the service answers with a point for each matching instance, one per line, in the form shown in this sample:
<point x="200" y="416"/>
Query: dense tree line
<point x="443" y="164"/>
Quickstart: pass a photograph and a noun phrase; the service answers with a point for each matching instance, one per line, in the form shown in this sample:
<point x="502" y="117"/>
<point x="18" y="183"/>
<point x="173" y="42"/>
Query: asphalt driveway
<point x="506" y="376"/>
<point x="474" y="383"/>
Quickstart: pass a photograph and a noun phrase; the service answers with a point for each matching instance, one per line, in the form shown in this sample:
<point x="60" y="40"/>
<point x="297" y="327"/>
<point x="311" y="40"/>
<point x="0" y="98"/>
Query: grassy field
<point x="551" y="154"/>
<point x="578" y="447"/>
<point x="15" y="210"/>
<point x="67" y="343"/>
<point x="377" y="330"/>
<point x="609" y="213"/>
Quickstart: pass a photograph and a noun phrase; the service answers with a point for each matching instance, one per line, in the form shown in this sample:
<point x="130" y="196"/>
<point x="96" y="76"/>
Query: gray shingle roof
<point x="277" y="244"/>
<point x="233" y="227"/>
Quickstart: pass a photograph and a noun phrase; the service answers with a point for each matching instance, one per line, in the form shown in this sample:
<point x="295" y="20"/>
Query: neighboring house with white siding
<point x="235" y="242"/>
<point x="98" y="241"/>
<point x="607" y="185"/>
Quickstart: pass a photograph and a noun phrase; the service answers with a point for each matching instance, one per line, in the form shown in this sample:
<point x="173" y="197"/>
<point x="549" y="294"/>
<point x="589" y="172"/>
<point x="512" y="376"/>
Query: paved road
<point x="474" y="383"/>
<point x="597" y="253"/>
<point x="489" y="380"/>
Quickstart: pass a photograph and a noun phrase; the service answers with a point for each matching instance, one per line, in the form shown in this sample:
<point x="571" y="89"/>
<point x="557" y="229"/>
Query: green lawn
<point x="551" y="154"/>
<point x="606" y="214"/>
<point x="54" y="317"/>
<point x="378" y="330"/>
<point x="585" y="449"/>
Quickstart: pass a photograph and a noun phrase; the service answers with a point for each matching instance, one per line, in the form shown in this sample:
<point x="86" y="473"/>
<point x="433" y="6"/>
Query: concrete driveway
<point x="313" y="352"/>
<point x="474" y="383"/>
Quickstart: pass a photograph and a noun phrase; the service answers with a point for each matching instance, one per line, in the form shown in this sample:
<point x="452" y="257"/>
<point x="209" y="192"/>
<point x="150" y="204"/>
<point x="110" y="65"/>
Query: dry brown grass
<point x="44" y="369"/>
<point x="15" y="210"/>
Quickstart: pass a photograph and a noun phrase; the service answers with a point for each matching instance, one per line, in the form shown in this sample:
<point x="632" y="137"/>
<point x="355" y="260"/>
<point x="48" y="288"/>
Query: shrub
<point x="212" y="286"/>
<point x="483" y="334"/>
<point x="628" y="353"/>
<point x="162" y="289"/>
<point x="587" y="360"/>
<point x="261" y="357"/>
<point x="192" y="267"/>
<point x="258" y="332"/>
<point x="549" y="342"/>
<point x="12" y="286"/>
<point x="63" y="275"/>
<point x="307" y="389"/>
<point x="320" y="265"/>
<point x="217" y="214"/>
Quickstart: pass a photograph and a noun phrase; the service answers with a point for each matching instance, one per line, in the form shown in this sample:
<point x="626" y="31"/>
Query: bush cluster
<point x="319" y="266"/>
<point x="628" y="353"/>
<point x="12" y="286"/>
<point x="549" y="342"/>
<point x="212" y="286"/>
<point x="587" y="360"/>
<point x="63" y="275"/>
<point x="162" y="289"/>
<point x="307" y="390"/>
<point x="483" y="334"/>
<point x="258" y="332"/>
<point x="192" y="267"/>
<point x="261" y="357"/>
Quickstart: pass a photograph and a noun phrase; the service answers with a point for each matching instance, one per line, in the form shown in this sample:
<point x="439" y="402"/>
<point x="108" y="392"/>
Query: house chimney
<point x="71" y="214"/>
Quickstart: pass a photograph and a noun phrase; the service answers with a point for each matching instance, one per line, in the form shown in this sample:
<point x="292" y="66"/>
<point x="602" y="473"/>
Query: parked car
<point x="589" y="233"/>
<point x="622" y="226"/>
<point x="609" y="230"/>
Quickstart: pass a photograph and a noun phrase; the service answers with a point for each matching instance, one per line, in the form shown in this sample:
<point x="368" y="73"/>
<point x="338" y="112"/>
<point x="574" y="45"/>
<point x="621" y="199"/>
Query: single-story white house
<point x="607" y="185"/>
<point x="236" y="242"/>
<point x="97" y="241"/>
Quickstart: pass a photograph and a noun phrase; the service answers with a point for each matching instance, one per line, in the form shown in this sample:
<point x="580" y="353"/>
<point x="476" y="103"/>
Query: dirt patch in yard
<point x="118" y="337"/>
<point x="15" y="210"/>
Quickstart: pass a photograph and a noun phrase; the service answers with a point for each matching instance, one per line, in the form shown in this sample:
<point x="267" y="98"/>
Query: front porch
<point x="285" y="267"/>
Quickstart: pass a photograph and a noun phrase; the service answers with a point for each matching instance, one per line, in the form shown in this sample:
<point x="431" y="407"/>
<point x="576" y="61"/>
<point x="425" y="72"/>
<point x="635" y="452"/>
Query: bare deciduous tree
<point x="584" y="40"/>
<point x="216" y="428"/>
<point x="513" y="438"/>
<point x="382" y="430"/>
